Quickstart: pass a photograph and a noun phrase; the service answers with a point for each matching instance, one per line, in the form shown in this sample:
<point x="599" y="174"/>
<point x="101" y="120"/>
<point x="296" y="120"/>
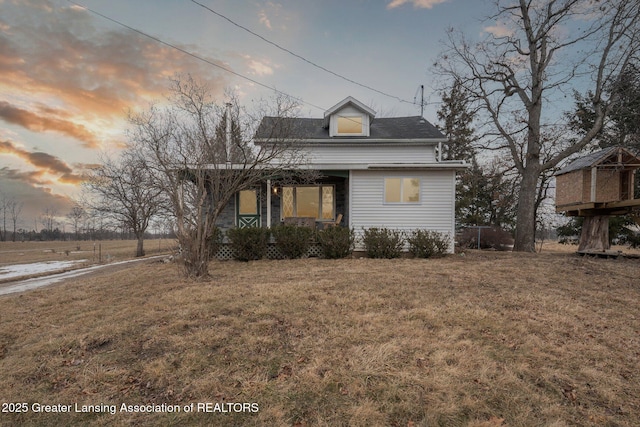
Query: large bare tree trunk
<point x="526" y="214"/>
<point x="595" y="234"/>
<point x="140" y="246"/>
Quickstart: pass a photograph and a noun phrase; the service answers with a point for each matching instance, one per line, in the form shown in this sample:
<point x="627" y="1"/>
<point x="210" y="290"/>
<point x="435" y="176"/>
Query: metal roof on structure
<point x="593" y="159"/>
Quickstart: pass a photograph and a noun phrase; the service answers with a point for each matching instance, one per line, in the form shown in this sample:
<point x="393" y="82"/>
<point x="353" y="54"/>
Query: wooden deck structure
<point x="620" y="207"/>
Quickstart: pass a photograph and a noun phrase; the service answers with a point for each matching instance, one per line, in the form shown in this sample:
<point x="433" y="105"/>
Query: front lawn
<point x="485" y="339"/>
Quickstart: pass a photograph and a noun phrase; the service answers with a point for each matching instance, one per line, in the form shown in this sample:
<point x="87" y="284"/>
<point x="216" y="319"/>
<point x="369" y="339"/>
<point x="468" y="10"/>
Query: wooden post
<point x="595" y="234"/>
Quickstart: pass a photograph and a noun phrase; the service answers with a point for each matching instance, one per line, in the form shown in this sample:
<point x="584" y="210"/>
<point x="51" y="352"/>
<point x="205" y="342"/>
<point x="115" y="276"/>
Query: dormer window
<point x="350" y="125"/>
<point x="349" y="117"/>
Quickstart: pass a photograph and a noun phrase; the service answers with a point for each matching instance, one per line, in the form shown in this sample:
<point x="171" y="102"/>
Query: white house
<point x="373" y="172"/>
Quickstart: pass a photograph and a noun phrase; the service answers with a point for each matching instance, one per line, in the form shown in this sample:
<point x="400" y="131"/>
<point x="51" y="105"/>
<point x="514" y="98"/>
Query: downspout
<point x="439" y="152"/>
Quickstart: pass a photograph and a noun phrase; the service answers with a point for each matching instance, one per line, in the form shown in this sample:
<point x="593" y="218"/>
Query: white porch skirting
<point x="225" y="252"/>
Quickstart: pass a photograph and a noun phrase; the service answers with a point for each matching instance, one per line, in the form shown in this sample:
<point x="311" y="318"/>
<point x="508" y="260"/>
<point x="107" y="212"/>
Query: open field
<point x="27" y="252"/>
<point x="484" y="339"/>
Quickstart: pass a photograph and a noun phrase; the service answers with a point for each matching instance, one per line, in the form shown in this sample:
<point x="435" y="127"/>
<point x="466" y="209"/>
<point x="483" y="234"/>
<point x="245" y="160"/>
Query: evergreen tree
<point x="457" y="119"/>
<point x="484" y="196"/>
<point x="622" y="127"/>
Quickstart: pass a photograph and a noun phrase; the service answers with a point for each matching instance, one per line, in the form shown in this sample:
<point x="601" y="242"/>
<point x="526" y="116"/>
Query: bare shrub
<point x="428" y="243"/>
<point x="490" y="238"/>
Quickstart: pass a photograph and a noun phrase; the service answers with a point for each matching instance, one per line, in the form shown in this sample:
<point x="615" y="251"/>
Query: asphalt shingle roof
<point x="392" y="128"/>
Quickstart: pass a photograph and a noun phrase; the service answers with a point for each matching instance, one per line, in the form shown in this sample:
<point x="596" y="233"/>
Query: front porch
<point x="272" y="203"/>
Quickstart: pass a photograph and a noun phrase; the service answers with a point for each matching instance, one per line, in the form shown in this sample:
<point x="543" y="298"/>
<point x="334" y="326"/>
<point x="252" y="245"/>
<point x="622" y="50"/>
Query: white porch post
<point x="268" y="203"/>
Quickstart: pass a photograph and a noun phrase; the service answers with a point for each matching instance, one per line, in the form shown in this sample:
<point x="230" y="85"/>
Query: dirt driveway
<point x="22" y="285"/>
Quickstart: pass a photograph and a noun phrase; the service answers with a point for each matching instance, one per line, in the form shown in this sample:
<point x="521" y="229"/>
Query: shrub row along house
<point x="359" y="171"/>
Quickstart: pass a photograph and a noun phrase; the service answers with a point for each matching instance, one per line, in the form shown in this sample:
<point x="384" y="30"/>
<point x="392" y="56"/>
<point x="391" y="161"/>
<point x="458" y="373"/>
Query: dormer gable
<point x="349" y="117"/>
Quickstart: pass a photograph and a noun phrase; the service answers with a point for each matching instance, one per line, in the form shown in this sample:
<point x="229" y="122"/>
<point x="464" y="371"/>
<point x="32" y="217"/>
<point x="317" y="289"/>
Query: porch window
<point x="402" y="190"/>
<point x="315" y="201"/>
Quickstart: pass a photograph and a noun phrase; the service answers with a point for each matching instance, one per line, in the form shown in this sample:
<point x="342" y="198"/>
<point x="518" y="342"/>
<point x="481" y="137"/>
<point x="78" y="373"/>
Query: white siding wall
<point x="338" y="154"/>
<point x="436" y="210"/>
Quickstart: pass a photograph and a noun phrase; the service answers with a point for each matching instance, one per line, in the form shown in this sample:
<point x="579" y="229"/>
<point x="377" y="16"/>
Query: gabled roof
<point x="385" y="128"/>
<point x="349" y="100"/>
<point x="597" y="158"/>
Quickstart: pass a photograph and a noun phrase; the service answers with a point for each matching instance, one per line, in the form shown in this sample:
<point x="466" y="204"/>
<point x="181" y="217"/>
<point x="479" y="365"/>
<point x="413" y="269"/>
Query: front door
<point x="248" y="208"/>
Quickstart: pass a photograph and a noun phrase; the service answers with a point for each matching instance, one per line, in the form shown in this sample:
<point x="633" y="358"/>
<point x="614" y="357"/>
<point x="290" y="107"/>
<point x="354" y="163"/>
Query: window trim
<point x="402" y="178"/>
<point x="295" y="201"/>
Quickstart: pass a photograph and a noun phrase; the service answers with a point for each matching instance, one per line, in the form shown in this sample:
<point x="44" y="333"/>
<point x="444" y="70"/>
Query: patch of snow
<point x="19" y="270"/>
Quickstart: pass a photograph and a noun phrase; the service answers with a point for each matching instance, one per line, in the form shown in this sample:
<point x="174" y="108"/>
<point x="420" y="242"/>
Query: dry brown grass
<point x="485" y="339"/>
<point x="28" y="252"/>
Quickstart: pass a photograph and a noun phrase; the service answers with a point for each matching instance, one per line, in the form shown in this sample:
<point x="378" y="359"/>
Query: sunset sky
<point x="68" y="76"/>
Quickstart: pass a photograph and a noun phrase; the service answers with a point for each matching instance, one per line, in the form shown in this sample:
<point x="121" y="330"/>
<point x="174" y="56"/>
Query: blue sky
<point x="68" y="76"/>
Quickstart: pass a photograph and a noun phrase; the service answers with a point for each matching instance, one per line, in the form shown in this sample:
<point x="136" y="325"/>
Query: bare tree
<point x="48" y="218"/>
<point x="200" y="168"/>
<point x="123" y="190"/>
<point x="518" y="76"/>
<point x="4" y="207"/>
<point x="75" y="215"/>
<point x="15" y="209"/>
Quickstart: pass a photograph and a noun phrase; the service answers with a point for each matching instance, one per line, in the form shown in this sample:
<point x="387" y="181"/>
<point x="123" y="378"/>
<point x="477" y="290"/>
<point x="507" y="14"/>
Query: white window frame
<point x="402" y="202"/>
<point x="295" y="201"/>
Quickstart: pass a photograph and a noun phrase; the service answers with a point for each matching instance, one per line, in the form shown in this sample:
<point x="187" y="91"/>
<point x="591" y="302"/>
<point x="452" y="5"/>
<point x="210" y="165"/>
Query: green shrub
<point x="249" y="243"/>
<point x="428" y="243"/>
<point x="383" y="242"/>
<point x="336" y="242"/>
<point x="292" y="240"/>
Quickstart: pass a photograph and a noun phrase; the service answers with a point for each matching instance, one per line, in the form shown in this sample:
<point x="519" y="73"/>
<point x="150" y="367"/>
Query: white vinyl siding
<point x="371" y="154"/>
<point x="435" y="210"/>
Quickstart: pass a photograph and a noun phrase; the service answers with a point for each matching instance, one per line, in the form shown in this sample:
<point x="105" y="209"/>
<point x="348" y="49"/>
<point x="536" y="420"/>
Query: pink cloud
<point x="43" y="162"/>
<point x="418" y="4"/>
<point x="58" y="55"/>
<point x="46" y="120"/>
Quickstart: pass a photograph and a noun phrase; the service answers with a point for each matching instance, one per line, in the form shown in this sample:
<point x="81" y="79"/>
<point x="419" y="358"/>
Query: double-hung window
<point x="402" y="190"/>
